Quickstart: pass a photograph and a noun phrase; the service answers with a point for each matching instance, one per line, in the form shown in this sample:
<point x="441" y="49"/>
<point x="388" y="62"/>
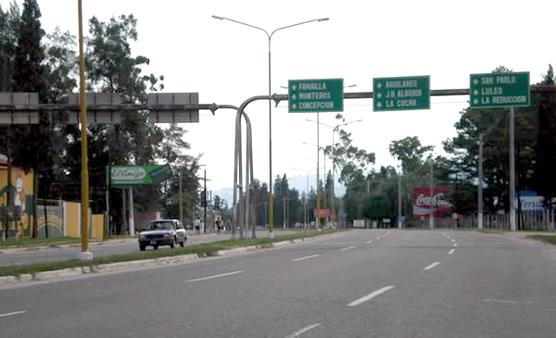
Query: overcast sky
<point x="226" y="63"/>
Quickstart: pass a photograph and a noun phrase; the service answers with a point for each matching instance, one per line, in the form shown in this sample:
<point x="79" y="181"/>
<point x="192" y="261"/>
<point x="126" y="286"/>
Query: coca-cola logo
<point x="438" y="200"/>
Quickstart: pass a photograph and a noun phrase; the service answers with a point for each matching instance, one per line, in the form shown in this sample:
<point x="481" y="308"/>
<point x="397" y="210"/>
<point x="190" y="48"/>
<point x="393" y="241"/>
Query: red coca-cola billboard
<point x="422" y="201"/>
<point x="323" y="213"/>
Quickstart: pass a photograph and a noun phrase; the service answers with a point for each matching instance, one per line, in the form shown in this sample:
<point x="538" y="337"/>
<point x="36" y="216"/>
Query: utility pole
<point x="9" y="193"/>
<point x="131" y="213"/>
<point x="431" y="201"/>
<point x="318" y="178"/>
<point x="205" y="203"/>
<point x="513" y="226"/>
<point x="399" y="201"/>
<point x="85" y="254"/>
<point x="284" y="208"/>
<point x="480" y="185"/>
<point x="181" y="198"/>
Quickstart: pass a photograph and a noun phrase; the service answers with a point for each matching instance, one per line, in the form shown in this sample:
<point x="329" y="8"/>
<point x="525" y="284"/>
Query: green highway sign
<point x="401" y="93"/>
<point x="499" y="90"/>
<point x="139" y="174"/>
<point x="325" y="95"/>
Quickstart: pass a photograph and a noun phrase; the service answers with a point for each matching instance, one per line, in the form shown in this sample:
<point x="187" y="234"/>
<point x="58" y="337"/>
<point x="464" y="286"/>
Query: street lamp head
<point x="323" y="19"/>
<point x="217" y="17"/>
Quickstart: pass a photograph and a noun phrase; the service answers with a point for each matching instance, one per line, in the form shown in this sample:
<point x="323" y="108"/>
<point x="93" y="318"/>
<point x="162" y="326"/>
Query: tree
<point x="409" y="152"/>
<point x="61" y="65"/>
<point x="10" y="23"/>
<point x="29" y="54"/>
<point x="534" y="143"/>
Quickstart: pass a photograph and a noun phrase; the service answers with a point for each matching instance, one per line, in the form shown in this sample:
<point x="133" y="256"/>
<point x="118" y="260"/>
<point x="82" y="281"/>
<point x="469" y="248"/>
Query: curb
<point x="137" y="265"/>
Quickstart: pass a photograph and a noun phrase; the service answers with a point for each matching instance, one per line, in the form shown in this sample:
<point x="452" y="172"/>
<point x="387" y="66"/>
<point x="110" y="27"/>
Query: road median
<point x="141" y="259"/>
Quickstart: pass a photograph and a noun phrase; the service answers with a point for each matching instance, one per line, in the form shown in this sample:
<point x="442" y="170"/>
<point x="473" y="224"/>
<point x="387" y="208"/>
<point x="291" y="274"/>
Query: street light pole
<point x="269" y="36"/>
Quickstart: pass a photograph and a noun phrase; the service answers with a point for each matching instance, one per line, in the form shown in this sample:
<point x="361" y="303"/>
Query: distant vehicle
<point x="163" y="232"/>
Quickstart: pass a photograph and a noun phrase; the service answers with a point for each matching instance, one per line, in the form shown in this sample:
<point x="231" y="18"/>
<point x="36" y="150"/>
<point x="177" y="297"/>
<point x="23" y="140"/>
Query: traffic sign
<point x="325" y="95"/>
<point x="401" y="93"/>
<point x="499" y="90"/>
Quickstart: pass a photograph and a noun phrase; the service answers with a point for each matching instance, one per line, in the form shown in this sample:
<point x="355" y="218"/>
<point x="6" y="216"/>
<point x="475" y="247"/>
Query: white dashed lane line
<point x="304" y="258"/>
<point x="9" y="314"/>
<point x="303" y="330"/>
<point x="431" y="266"/>
<point x="348" y="248"/>
<point x="369" y="241"/>
<point x="451" y="251"/>
<point x="371" y="296"/>
<point x="214" y="276"/>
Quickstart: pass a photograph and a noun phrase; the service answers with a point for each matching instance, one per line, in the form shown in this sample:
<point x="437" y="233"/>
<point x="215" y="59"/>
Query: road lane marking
<point x="348" y="248"/>
<point x="387" y="233"/>
<point x="505" y="301"/>
<point x="369" y="241"/>
<point x="214" y="276"/>
<point x="453" y="240"/>
<point x="451" y="251"/>
<point x="431" y="266"/>
<point x="370" y="296"/>
<point x="378" y="238"/>
<point x="304" y="258"/>
<point x="303" y="330"/>
<point x="12" y="313"/>
<point x="456" y="245"/>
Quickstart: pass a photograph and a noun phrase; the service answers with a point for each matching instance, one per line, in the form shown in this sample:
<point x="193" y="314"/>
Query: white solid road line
<point x="451" y="251"/>
<point x="431" y="266"/>
<point x="369" y="241"/>
<point x="12" y="313"/>
<point x="303" y="330"/>
<point x="304" y="258"/>
<point x="370" y="296"/>
<point x="214" y="276"/>
<point x="348" y="248"/>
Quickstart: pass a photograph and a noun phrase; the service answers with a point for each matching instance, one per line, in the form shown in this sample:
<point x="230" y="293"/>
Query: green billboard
<point x="125" y="175"/>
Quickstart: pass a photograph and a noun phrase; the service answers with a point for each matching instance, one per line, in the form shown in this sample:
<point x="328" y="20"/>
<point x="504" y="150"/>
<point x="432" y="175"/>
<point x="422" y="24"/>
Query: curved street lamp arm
<point x="296" y="24"/>
<point x="241" y="23"/>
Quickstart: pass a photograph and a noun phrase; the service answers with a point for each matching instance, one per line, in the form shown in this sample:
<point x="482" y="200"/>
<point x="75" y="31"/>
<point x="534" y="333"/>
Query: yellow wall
<point x="97" y="226"/>
<point x="72" y="219"/>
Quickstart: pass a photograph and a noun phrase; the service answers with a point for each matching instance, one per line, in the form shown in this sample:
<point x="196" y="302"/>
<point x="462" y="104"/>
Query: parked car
<point x="163" y="232"/>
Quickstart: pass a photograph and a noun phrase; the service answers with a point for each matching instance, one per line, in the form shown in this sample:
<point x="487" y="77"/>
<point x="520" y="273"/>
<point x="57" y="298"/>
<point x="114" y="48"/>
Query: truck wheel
<point x="142" y="247"/>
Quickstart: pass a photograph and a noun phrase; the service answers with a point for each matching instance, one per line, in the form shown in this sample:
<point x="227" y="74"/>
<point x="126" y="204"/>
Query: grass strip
<point x="30" y="242"/>
<point x="550" y="239"/>
<point x="203" y="250"/>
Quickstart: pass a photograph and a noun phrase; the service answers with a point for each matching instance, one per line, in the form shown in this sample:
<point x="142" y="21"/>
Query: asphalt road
<point x="366" y="283"/>
<point x="34" y="255"/>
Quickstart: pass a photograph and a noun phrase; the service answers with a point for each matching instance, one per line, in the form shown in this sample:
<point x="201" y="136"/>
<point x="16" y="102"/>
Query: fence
<point x="531" y="220"/>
